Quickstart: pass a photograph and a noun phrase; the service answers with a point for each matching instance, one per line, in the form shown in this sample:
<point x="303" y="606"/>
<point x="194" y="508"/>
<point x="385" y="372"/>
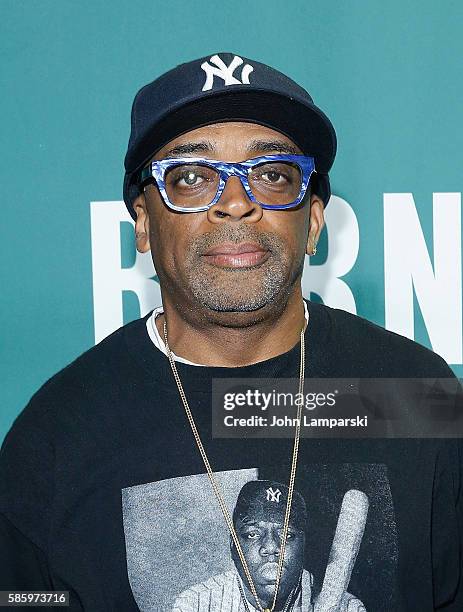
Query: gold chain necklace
<point x="215" y="486"/>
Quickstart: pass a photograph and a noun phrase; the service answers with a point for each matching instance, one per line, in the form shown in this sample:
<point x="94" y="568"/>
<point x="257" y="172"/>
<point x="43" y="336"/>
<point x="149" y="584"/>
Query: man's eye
<point x="190" y="178"/>
<point x="273" y="177"/>
<point x="291" y="535"/>
<point x="252" y="535"/>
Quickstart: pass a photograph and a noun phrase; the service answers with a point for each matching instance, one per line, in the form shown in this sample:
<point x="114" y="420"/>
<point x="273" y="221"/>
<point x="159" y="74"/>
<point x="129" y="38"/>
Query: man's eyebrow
<point x="255" y="146"/>
<point x="269" y="146"/>
<point x="190" y="147"/>
<point x="245" y="521"/>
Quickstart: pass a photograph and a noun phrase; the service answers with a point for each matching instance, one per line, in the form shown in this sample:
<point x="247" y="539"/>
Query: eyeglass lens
<point x="194" y="185"/>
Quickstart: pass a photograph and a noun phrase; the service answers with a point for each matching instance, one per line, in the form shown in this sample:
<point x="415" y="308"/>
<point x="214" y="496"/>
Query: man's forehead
<point x="261" y="524"/>
<point x="251" y="138"/>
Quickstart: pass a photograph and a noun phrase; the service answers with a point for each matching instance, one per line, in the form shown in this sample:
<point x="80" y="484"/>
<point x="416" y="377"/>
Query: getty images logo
<point x="220" y="69"/>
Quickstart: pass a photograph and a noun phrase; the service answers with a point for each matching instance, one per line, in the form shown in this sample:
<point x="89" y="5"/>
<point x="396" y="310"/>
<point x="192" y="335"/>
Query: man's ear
<point x="317" y="222"/>
<point x="142" y="224"/>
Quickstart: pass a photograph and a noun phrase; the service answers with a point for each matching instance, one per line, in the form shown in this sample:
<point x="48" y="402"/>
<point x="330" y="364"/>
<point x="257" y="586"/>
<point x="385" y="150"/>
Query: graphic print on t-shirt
<point x="341" y="547"/>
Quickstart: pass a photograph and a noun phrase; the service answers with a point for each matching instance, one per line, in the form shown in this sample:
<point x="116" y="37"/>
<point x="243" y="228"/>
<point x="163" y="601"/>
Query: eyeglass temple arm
<point x="145" y="173"/>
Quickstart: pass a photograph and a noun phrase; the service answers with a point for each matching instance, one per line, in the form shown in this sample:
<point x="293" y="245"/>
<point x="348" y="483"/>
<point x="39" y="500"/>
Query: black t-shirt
<point x="103" y="491"/>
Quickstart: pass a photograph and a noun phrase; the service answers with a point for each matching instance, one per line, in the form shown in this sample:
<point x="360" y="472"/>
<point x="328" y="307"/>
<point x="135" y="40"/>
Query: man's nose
<point x="270" y="545"/>
<point x="234" y="205"/>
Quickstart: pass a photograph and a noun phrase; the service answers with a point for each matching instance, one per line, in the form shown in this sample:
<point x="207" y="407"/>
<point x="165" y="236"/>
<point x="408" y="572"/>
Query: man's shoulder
<point x="219" y="582"/>
<point x="98" y="363"/>
<point x="102" y="367"/>
<point x="376" y="351"/>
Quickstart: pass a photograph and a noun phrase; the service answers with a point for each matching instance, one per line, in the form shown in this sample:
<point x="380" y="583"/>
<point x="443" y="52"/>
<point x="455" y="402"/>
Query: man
<point x="258" y="517"/>
<point x="227" y="180"/>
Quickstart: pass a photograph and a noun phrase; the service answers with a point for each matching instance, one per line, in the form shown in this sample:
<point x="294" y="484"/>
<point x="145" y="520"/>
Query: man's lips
<point x="269" y="571"/>
<point x="240" y="255"/>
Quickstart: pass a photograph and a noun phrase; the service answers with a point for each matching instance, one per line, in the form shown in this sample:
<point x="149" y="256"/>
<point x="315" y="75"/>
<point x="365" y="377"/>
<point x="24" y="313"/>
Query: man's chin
<point x="266" y="593"/>
<point x="230" y="302"/>
<point x="238" y="290"/>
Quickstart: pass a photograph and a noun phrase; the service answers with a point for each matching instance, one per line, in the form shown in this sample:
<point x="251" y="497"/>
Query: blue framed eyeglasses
<point x="194" y="184"/>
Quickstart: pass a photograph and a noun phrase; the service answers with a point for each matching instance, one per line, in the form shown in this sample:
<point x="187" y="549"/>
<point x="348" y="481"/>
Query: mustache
<point x="236" y="235"/>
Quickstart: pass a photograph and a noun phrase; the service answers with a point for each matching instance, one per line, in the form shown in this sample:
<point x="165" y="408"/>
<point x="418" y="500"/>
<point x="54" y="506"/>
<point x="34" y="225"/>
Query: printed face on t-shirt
<point x="260" y="541"/>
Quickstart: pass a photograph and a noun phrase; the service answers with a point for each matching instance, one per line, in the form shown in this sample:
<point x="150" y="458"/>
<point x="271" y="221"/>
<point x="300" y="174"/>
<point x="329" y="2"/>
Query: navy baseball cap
<point x="225" y="87"/>
<point x="266" y="500"/>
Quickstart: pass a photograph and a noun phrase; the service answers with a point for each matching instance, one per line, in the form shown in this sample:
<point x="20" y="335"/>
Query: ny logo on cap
<point x="220" y="69"/>
<point x="272" y="495"/>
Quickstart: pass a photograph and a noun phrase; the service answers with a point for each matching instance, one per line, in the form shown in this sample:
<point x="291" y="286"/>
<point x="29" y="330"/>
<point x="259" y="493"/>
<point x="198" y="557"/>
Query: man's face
<point x="190" y="249"/>
<point x="261" y="541"/>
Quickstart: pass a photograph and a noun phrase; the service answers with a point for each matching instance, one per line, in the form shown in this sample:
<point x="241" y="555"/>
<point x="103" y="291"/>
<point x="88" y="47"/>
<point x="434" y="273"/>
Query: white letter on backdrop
<point x="324" y="279"/>
<point x="408" y="266"/>
<point x="109" y="279"/>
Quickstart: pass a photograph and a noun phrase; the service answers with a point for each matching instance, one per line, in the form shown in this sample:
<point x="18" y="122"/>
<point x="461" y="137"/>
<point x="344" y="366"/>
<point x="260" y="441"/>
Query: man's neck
<point x="250" y="600"/>
<point x="219" y="341"/>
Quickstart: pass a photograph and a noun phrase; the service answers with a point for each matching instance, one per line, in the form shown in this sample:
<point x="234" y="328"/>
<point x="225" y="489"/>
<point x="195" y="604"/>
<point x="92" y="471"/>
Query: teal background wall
<point x="387" y="73"/>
